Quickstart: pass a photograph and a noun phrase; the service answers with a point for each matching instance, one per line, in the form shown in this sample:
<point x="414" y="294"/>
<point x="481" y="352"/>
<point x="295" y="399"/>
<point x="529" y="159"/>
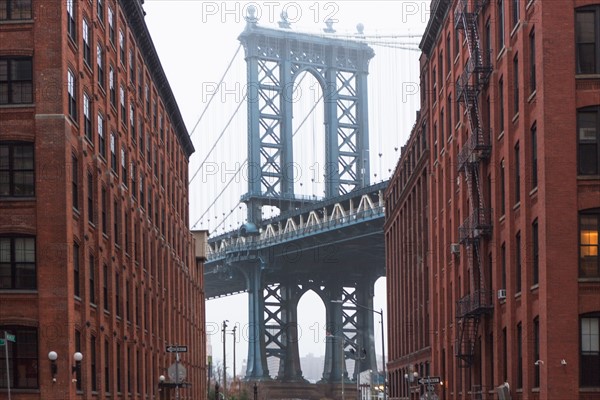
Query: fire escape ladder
<point x="465" y="346"/>
<point x="476" y="149"/>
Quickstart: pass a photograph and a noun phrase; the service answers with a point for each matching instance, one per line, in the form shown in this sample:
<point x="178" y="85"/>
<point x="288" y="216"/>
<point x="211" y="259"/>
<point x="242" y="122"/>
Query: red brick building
<point x="511" y="92"/>
<point x="96" y="255"/>
<point x="407" y="246"/>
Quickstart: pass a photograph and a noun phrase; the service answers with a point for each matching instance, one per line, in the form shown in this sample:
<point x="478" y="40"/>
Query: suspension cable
<point x="216" y="91"/>
<point x="218" y="139"/>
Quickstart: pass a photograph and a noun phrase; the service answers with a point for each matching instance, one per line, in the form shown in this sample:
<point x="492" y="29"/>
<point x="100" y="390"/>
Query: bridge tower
<point x="275" y="57"/>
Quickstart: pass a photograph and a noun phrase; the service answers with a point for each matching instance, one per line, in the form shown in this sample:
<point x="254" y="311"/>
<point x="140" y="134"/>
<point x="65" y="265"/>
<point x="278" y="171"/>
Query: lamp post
<point x="380" y="312"/>
<point x="233" y="331"/>
<point x="224" y="330"/>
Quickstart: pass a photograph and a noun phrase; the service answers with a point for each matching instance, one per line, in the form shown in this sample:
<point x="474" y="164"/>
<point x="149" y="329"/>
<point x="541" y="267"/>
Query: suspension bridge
<point x="325" y="235"/>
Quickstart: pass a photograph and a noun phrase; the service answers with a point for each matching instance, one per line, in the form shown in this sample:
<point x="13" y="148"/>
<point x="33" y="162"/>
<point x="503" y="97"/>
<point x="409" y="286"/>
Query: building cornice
<point x="135" y="17"/>
<point x="439" y="10"/>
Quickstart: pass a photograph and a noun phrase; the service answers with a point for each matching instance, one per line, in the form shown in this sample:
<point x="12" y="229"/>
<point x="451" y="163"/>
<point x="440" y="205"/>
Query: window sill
<point x="501" y="52"/>
<point x="500" y="136"/>
<point x="16" y="21"/>
<point x="587" y="76"/>
<point x="532" y="96"/>
<point x="517" y="206"/>
<point x="515" y="28"/>
<point x="527" y="7"/>
<point x="502" y="218"/>
<point x="589" y="280"/>
<point x="18" y="291"/>
<point x="518" y="295"/>
<point x="515" y="117"/>
<point x="533" y="191"/>
<point x="535" y="287"/>
<point x="588" y="177"/>
<point x="17" y="199"/>
<point x="11" y="106"/>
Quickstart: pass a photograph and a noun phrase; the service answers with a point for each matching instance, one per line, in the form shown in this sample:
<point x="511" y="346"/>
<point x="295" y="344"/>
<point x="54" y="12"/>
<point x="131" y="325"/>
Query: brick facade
<point x="115" y="274"/>
<point x="529" y="107"/>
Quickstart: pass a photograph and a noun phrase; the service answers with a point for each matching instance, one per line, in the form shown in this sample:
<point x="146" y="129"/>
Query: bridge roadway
<point x="341" y="237"/>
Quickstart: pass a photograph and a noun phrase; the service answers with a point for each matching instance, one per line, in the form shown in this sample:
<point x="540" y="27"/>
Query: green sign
<point x="2" y="342"/>
<point x="10" y="338"/>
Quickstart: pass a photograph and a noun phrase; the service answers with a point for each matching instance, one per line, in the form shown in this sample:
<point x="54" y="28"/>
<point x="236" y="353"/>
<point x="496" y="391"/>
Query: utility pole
<point x="234" y="370"/>
<point x="224" y="330"/>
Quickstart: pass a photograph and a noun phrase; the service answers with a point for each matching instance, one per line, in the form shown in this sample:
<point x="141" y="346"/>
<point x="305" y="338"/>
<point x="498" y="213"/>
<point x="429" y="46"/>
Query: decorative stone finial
<point x="251" y="15"/>
<point x="329" y="25"/>
<point x="360" y="28"/>
<point x="284" y="23"/>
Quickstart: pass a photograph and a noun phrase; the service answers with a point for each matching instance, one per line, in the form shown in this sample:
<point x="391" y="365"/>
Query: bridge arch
<point x="311" y="338"/>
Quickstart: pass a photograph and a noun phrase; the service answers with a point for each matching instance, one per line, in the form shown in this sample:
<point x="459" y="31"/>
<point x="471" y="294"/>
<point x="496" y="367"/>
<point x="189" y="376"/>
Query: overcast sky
<point x="197" y="40"/>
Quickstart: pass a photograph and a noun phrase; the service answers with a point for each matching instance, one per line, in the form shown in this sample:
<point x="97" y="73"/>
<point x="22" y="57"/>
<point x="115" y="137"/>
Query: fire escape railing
<point x="477" y="148"/>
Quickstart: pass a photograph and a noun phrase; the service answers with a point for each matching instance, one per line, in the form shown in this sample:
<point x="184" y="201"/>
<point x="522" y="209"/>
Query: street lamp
<point x="380" y="312"/>
<point x="224" y="330"/>
<point x="234" y="338"/>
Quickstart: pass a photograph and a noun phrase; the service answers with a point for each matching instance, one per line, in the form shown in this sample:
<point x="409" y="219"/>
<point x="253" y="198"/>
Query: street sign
<point x="430" y="380"/>
<point x="2" y="342"/>
<point x="177" y="373"/>
<point x="176" y="349"/>
<point x="10" y="338"/>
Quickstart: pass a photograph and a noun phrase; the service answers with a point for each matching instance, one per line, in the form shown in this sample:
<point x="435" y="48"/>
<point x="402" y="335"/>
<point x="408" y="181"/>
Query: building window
<point x="500" y="26"/>
<point x="519" y="356"/>
<point x="515" y="12"/>
<point x="72" y="94"/>
<point x="132" y="119"/>
<point x="94" y="377"/>
<point x="105" y="288"/>
<point x="448" y="52"/>
<point x="15" y="9"/>
<point x="75" y="182"/>
<point x="111" y="25"/>
<point x="124" y="175"/>
<point x="78" y="384"/>
<point x="131" y="67"/>
<point x="22" y="358"/>
<point x="116" y="222"/>
<point x="92" y="278"/>
<point x="111" y="85"/>
<point x="101" y="137"/>
<point x="122" y="100"/>
<point x="442" y="128"/>
<point x="589" y="229"/>
<point x="87" y="48"/>
<point x="17" y="263"/>
<point x="503" y="261"/>
<point x="147" y="94"/>
<point x="106" y="366"/>
<point x="536" y="352"/>
<point x="590" y="351"/>
<point x="76" y="274"/>
<point x="536" y="252"/>
<point x="118" y="297"/>
<point x="516" y="84"/>
<point x="17" y="169"/>
<point x="119" y="367"/>
<point x="100" y="10"/>
<point x="502" y="188"/>
<point x="517" y="174"/>
<point x="504" y="356"/>
<point x="532" y="77"/>
<point x="133" y="180"/>
<point x="90" y="198"/>
<point x="100" y="65"/>
<point x="71" y="29"/>
<point x="113" y="152"/>
<point x="87" y="118"/>
<point x="122" y="46"/>
<point x="534" y="161"/>
<point x="587" y="20"/>
<point x="518" y="263"/>
<point x="501" y="104"/>
<point x="16" y="81"/>
<point x="103" y="205"/>
<point x="588" y="141"/>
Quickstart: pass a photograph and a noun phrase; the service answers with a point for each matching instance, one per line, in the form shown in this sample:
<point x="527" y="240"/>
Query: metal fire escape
<point x="474" y="152"/>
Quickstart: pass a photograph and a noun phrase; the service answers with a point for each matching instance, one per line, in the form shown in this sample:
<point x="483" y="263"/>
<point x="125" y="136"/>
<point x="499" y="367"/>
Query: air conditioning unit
<point x="501" y="294"/>
<point x="455" y="248"/>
